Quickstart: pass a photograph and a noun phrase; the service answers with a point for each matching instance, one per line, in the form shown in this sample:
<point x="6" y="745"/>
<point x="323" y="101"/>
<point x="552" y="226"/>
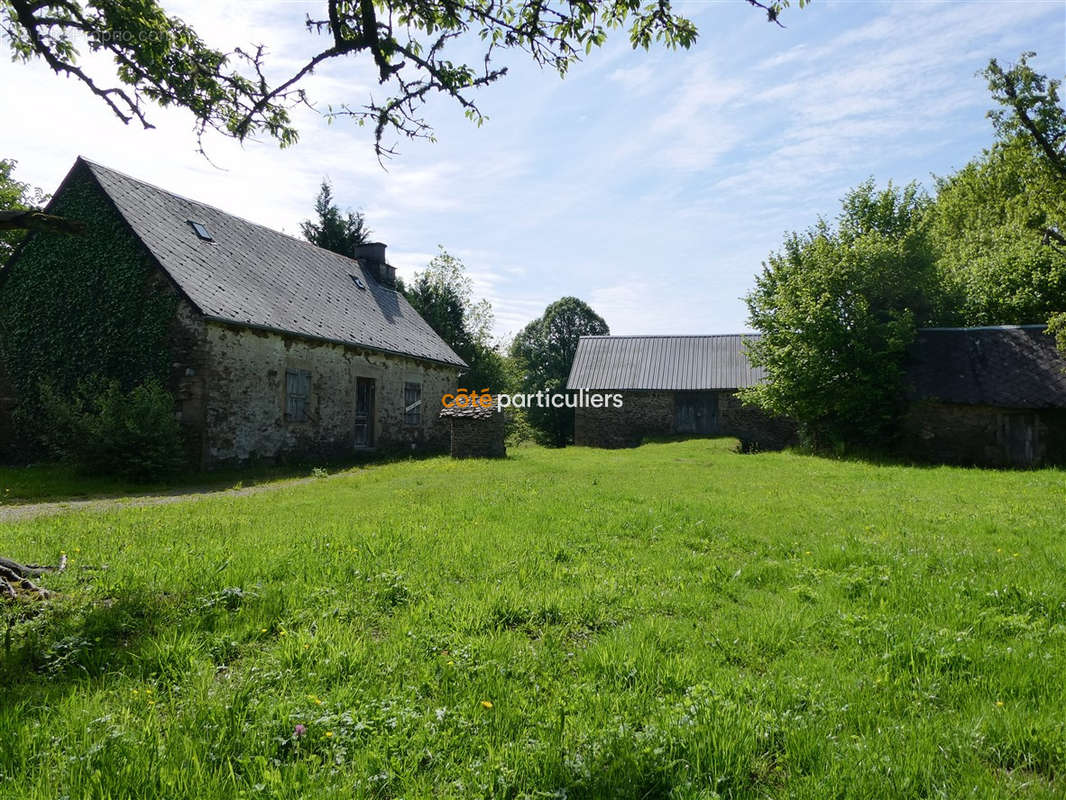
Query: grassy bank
<point x="672" y="621"/>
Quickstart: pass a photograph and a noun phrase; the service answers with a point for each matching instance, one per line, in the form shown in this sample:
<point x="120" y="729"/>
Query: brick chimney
<point x="372" y="256"/>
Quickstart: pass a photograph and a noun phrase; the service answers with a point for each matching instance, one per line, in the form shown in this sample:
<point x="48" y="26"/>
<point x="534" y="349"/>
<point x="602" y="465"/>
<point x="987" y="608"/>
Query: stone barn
<point x="670" y="385"/>
<point x="270" y="345"/>
<point x="992" y="396"/>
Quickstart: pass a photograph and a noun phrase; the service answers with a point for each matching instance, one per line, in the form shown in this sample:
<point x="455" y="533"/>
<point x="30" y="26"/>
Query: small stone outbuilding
<point x="671" y="385"/>
<point x="992" y="396"/>
<point x="476" y="431"/>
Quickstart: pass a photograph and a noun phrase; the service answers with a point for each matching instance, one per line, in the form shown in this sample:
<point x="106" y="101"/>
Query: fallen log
<point x="15" y="577"/>
<point x="33" y="570"/>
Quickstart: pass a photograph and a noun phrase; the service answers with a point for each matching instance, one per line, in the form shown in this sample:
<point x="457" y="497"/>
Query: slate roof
<point x="472" y="412"/>
<point x="1007" y="367"/>
<point x="669" y="363"/>
<point x="1004" y="366"/>
<point x="253" y="276"/>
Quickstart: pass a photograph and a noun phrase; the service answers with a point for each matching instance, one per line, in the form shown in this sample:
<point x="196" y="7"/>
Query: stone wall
<point x="645" y="414"/>
<point x="188" y="365"/>
<point x="984" y="435"/>
<point x="642" y="414"/>
<point x="243" y="388"/>
<point x="756" y="429"/>
<point x="478" y="435"/>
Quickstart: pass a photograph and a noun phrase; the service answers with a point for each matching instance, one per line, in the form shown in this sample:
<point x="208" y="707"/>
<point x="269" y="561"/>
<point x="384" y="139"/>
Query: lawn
<point x="674" y="621"/>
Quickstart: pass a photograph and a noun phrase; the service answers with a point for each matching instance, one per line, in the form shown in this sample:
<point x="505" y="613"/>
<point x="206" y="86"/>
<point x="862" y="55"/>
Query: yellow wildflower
<point x="486" y="704"/>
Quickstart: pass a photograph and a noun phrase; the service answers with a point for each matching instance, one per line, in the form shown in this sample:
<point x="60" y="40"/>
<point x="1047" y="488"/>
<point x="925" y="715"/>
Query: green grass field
<point x="676" y="621"/>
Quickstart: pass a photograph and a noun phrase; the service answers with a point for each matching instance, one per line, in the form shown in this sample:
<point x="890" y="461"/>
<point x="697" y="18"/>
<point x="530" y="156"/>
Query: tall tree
<point x="409" y="43"/>
<point x="1031" y="120"/>
<point x="18" y="204"/>
<point x="333" y="230"/>
<point x="837" y="308"/>
<point x="443" y="294"/>
<point x="543" y="353"/>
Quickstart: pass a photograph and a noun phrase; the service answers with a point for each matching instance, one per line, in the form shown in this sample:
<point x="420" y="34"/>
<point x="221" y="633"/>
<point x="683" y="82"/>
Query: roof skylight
<point x="201" y="230"/>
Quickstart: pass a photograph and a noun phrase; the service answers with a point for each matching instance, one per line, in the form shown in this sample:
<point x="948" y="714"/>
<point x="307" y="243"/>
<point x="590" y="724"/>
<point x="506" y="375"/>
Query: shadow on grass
<point x="37" y="483"/>
<point x="860" y="455"/>
<point x="57" y="645"/>
<point x="50" y="650"/>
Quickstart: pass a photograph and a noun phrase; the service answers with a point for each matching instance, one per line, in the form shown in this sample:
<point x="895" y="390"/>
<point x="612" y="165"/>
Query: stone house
<point x="270" y="345"/>
<point x="670" y="385"/>
<point x="991" y="396"/>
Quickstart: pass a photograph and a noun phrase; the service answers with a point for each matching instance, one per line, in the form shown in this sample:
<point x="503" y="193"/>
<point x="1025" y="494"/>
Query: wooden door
<point x="364" y="412"/>
<point x="696" y="412"/>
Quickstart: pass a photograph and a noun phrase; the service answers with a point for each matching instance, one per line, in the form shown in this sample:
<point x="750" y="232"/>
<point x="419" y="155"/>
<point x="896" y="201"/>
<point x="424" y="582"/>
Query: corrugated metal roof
<point x="671" y="363"/>
<point x="252" y="275"/>
<point x="1006" y="367"/>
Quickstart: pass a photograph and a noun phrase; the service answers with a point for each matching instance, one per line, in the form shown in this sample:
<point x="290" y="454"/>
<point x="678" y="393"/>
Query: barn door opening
<point x="364" y="412"/>
<point x="696" y="412"/>
<point x="1019" y="437"/>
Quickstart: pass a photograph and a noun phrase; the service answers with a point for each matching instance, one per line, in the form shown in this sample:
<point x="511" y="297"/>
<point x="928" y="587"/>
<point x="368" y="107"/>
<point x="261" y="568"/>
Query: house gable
<point x="245" y="274"/>
<point x="77" y="306"/>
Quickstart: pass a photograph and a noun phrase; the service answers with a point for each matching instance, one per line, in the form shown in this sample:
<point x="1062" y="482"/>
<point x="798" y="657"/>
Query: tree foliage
<point x="543" y="353"/>
<point x="444" y="295"/>
<point x="994" y="264"/>
<point x="1031" y="120"/>
<point x="836" y="308"/>
<point x="15" y="196"/>
<point x="409" y="43"/>
<point x="334" y="230"/>
<point x="158" y="59"/>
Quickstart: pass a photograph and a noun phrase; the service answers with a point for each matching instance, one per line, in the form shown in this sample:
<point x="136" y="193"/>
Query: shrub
<point x="104" y="429"/>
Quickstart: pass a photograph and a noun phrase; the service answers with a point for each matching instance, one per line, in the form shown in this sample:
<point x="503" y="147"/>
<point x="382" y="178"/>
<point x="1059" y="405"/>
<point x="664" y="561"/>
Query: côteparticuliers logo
<point x="582" y="398"/>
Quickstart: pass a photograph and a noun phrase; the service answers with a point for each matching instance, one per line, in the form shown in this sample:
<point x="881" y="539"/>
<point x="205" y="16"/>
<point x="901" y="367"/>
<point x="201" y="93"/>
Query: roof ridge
<point x="1026" y="327"/>
<point x="188" y="199"/>
<point x="667" y="335"/>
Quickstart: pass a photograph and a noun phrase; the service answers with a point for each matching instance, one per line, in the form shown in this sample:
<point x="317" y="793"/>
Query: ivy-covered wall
<point x="75" y="306"/>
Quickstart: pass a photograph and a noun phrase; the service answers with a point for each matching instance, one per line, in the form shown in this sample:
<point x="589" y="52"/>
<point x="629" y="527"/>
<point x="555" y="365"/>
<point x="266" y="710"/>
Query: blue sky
<point x="652" y="185"/>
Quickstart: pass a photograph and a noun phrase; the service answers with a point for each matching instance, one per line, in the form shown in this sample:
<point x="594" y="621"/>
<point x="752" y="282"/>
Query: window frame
<point x="203" y="233"/>
<point x="412" y="418"/>
<point x="303" y="376"/>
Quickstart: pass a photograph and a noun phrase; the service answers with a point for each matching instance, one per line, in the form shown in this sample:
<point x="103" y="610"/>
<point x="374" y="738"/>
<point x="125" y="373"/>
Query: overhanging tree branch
<point x="33" y="220"/>
<point x="162" y="60"/>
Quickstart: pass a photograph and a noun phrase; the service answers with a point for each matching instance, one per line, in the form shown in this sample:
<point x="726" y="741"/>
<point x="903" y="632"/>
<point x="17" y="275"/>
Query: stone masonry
<point x="476" y="432"/>
<point x="243" y="397"/>
<point x="651" y="413"/>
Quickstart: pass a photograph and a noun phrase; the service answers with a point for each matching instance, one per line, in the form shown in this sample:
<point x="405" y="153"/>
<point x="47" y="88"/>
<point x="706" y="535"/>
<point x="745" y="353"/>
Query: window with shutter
<point x="412" y="404"/>
<point x="297" y="394"/>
